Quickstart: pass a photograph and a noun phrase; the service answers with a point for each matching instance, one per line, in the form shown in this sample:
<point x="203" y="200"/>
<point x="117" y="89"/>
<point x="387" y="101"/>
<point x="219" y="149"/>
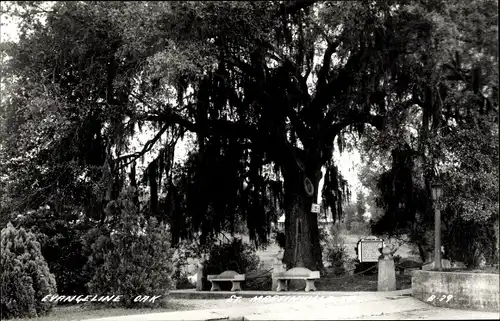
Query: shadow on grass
<point x="345" y="283"/>
<point x="359" y="283"/>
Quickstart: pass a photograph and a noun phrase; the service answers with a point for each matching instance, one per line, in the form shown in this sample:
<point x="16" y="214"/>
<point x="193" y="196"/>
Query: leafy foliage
<point x="62" y="246"/>
<point x="449" y="133"/>
<point x="132" y="256"/>
<point x="234" y="256"/>
<point x="242" y="77"/>
<point x="97" y="75"/>
<point x="349" y="215"/>
<point x="26" y="278"/>
<point x="470" y="242"/>
<point x="333" y="248"/>
<point x="336" y="255"/>
<point x="360" y="207"/>
<point x="184" y="250"/>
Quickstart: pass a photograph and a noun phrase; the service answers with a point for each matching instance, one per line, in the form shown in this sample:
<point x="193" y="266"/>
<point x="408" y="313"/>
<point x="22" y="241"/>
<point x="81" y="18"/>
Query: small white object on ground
<point x="192" y="278"/>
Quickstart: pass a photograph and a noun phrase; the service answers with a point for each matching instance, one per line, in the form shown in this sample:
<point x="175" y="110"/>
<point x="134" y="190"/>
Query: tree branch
<point x="325" y="68"/>
<point x="147" y="147"/>
<point x="291" y="67"/>
<point x="354" y="117"/>
<point x="280" y="149"/>
<point x="323" y="91"/>
<point x="243" y="66"/>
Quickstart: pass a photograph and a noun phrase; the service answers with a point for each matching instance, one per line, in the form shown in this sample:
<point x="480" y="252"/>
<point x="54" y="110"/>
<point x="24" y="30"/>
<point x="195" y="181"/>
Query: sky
<point x="348" y="162"/>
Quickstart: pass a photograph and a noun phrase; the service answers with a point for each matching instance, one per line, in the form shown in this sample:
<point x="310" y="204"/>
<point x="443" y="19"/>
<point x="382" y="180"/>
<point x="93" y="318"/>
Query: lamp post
<point x="437" y="191"/>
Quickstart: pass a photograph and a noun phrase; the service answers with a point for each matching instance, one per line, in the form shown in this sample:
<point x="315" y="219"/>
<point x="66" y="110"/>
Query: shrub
<point x="181" y="281"/>
<point x="235" y="256"/>
<point x="324" y="238"/>
<point x="336" y="229"/>
<point x="180" y="261"/>
<point x="179" y="276"/>
<point x="186" y="249"/>
<point x="26" y="278"/>
<point x="469" y="242"/>
<point x="336" y="255"/>
<point x="359" y="228"/>
<point x="258" y="280"/>
<point x="60" y="236"/>
<point x="333" y="249"/>
<point x="131" y="256"/>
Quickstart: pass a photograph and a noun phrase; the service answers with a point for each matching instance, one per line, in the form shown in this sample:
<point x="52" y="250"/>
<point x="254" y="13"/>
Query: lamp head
<point x="437" y="190"/>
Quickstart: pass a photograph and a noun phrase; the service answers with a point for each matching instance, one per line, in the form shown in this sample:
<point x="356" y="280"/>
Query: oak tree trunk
<point x="302" y="247"/>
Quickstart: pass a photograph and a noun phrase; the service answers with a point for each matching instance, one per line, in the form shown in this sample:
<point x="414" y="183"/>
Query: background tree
<point x="349" y="215"/>
<point x="360" y="207"/>
<point x="449" y="134"/>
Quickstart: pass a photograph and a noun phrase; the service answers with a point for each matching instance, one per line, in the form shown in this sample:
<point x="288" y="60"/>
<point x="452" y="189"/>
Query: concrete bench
<point x="231" y="276"/>
<point x="298" y="273"/>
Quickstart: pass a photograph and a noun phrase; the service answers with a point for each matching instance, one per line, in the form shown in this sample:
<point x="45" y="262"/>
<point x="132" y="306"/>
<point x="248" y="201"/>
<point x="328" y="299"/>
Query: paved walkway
<point x="193" y="294"/>
<point x="375" y="305"/>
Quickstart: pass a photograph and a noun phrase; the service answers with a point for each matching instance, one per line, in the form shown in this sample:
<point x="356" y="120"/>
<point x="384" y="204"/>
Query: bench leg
<point x="282" y="286"/>
<point x="215" y="286"/>
<point x="310" y="286"/>
<point x="236" y="286"/>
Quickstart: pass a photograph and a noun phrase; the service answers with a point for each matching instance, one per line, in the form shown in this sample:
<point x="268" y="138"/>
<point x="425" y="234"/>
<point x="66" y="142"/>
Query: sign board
<point x="315" y="208"/>
<point x="369" y="249"/>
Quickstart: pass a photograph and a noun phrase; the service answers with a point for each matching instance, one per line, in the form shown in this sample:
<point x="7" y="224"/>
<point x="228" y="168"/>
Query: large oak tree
<point x="259" y="84"/>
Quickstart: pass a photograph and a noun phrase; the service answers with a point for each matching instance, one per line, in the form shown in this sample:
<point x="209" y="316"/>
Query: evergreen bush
<point x="25" y="275"/>
<point x="60" y="236"/>
<point x="131" y="256"/>
<point x="336" y="255"/>
<point x="184" y="250"/>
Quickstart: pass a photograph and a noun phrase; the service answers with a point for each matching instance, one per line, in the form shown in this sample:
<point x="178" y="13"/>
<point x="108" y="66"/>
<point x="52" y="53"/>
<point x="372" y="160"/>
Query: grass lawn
<point x="81" y="312"/>
<point x="329" y="282"/>
<point x="359" y="283"/>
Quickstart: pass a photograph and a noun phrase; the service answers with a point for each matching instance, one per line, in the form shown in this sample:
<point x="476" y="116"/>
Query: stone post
<point x="199" y="276"/>
<point x="277" y="268"/>
<point x="386" y="272"/>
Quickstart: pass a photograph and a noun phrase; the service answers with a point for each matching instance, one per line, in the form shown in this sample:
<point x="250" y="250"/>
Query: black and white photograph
<point x="249" y="160"/>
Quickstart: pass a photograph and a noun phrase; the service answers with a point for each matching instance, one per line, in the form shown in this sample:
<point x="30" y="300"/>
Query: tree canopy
<point x="268" y="88"/>
<point x="449" y="135"/>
